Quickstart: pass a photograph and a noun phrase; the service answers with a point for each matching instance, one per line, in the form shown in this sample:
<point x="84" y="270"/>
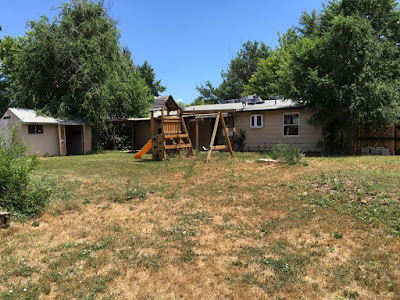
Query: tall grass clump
<point x="18" y="192"/>
<point x="288" y="154"/>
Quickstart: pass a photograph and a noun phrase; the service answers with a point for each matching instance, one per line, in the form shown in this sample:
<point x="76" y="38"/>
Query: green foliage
<point x="239" y="72"/>
<point x="383" y="15"/>
<point x="287" y="153"/>
<point x="271" y="77"/>
<point x="18" y="192"/>
<point x="208" y="94"/>
<point x="7" y="47"/>
<point x="239" y="140"/>
<point x="147" y="73"/>
<point x="338" y="235"/>
<point x="309" y="24"/>
<point x="267" y="80"/>
<point x="346" y="68"/>
<point x="136" y="192"/>
<point x="73" y="66"/>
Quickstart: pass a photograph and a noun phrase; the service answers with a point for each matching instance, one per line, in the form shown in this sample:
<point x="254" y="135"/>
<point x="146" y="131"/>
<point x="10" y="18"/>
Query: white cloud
<point x="179" y="101"/>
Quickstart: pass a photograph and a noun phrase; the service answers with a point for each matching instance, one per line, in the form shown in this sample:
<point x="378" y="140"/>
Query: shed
<point x="47" y="136"/>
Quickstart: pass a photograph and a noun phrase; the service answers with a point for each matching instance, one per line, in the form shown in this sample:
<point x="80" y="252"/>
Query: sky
<point x="187" y="42"/>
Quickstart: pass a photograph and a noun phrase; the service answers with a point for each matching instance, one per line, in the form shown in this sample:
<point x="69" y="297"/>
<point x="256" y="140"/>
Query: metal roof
<point x="30" y="116"/>
<point x="245" y="106"/>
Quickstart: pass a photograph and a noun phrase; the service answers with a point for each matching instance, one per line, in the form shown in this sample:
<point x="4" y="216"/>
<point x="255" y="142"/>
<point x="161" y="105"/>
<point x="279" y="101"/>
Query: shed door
<point x="61" y="139"/>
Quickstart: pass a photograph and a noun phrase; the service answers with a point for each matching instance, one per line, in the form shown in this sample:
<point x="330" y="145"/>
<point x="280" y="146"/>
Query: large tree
<point x="7" y="48"/>
<point x="238" y="74"/>
<point x="147" y="73"/>
<point x="347" y="76"/>
<point x="383" y="15"/>
<point x="74" y="66"/>
<point x="270" y="77"/>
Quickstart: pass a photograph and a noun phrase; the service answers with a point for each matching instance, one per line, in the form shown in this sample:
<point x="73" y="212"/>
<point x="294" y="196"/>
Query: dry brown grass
<point x="224" y="230"/>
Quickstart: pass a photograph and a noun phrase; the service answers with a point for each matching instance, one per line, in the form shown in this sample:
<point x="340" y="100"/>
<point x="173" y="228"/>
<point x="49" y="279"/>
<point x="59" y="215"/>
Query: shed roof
<point x="30" y="116"/>
<point x="162" y="101"/>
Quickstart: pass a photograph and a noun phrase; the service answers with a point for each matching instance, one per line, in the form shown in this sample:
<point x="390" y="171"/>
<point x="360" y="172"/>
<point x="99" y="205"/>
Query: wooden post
<point x="164" y="151"/>
<point x="153" y="136"/>
<point x="213" y="136"/>
<point x="228" y="141"/>
<point x="197" y="134"/>
<point x="186" y="132"/>
<point x="62" y="140"/>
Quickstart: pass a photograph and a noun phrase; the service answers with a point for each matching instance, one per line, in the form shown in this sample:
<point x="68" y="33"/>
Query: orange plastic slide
<point x="144" y="150"/>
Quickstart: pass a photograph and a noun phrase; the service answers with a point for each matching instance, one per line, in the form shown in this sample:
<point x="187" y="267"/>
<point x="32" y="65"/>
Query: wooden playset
<point x="169" y="132"/>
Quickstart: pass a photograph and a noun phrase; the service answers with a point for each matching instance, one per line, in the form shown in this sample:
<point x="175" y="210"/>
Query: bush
<point x="288" y="154"/>
<point x="239" y="140"/>
<point x="18" y="192"/>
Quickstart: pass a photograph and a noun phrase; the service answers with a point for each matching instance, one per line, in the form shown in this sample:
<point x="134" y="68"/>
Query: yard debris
<point x="321" y="187"/>
<point x="268" y="160"/>
<point x="4" y="219"/>
<point x="69" y="212"/>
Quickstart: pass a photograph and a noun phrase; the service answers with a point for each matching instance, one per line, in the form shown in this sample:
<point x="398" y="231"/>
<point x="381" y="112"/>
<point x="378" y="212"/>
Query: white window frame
<point x="284" y="125"/>
<point x="255" y="121"/>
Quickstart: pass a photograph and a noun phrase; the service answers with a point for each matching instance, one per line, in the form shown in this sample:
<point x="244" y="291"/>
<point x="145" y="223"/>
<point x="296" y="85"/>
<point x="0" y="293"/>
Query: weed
<point x="350" y="294"/>
<point x="35" y="223"/>
<point x="134" y="193"/>
<point x="338" y="235"/>
<point x="149" y="261"/>
<point x="196" y="218"/>
<point x="287" y="153"/>
<point x="237" y="263"/>
<point x="188" y="255"/>
<point x="269" y="226"/>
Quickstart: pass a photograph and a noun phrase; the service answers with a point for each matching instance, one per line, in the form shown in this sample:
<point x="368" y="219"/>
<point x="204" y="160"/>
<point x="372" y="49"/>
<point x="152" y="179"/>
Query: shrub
<point x="239" y="140"/>
<point x="18" y="192"/>
<point x="288" y="154"/>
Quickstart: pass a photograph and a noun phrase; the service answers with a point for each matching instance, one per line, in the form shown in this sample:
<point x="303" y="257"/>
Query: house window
<point x="291" y="124"/>
<point x="35" y="129"/>
<point x="256" y="121"/>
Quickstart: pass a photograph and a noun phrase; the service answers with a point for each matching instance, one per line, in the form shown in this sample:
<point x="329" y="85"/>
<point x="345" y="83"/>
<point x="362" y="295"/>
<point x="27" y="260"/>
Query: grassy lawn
<point x="183" y="229"/>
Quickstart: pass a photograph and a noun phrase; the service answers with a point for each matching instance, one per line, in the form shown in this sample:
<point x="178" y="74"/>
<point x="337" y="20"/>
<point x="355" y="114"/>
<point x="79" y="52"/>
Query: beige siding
<point x="260" y="139"/>
<point x="45" y="144"/>
<point x="7" y="124"/>
<point x="142" y="134"/>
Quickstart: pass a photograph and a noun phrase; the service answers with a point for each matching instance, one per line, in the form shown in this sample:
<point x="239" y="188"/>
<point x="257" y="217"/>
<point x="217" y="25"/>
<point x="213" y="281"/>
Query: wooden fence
<point x="388" y="138"/>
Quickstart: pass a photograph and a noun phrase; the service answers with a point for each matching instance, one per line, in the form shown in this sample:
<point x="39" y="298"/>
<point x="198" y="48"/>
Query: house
<point x="264" y="123"/>
<point x="48" y="136"/>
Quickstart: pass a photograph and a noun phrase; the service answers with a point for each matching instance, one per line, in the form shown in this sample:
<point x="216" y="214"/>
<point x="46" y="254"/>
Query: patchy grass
<point x="184" y="229"/>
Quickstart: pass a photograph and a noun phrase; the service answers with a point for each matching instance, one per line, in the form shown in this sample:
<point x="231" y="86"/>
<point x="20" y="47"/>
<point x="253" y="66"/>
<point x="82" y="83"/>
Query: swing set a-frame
<point x="169" y="132"/>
